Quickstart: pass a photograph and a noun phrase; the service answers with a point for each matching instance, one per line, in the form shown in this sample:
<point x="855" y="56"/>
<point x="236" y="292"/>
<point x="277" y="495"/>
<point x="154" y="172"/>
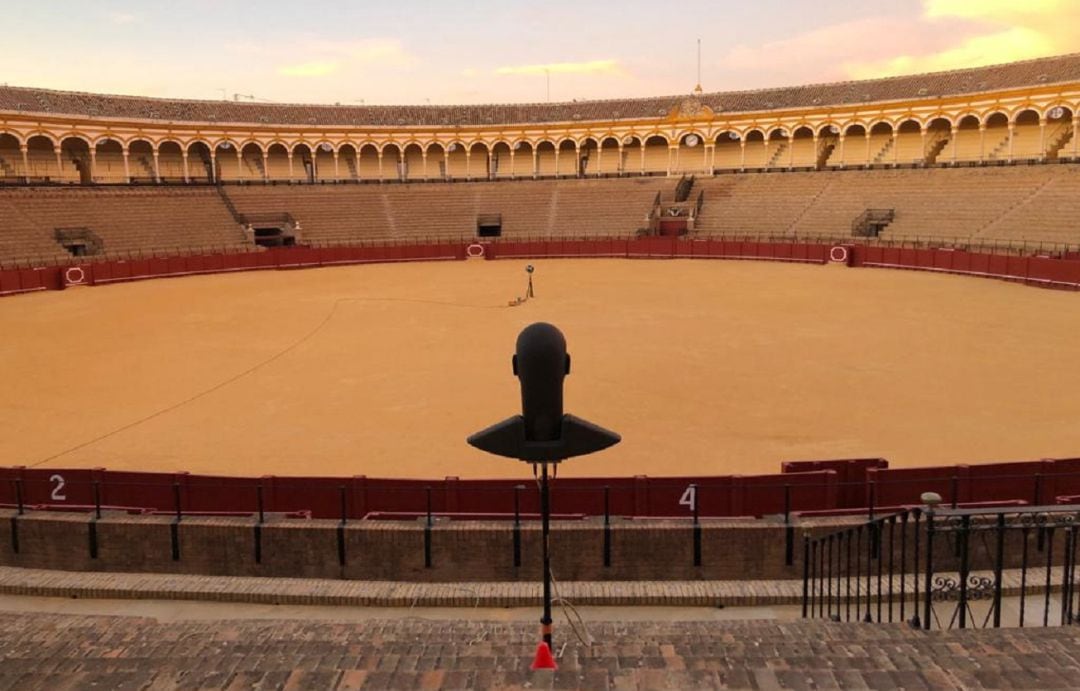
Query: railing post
<point x="789" y="530"/>
<point x="928" y="580"/>
<point x="915" y="623"/>
<point x="258" y="525"/>
<point x="1049" y="567"/>
<point x="903" y="565"/>
<point x="517" y="525"/>
<point x="97" y="499"/>
<point x="174" y="527"/>
<point x="427" y="531"/>
<point x="1025" y="531"/>
<point x="892" y="531"/>
<point x="847" y="575"/>
<point x="806" y="575"/>
<point x="697" y="527"/>
<point x="342" y="498"/>
<point x="999" y="561"/>
<point x="965" y="568"/>
<point x="828" y="576"/>
<point x="607" y="525"/>
<point x="19" y="496"/>
<point x="1066" y="576"/>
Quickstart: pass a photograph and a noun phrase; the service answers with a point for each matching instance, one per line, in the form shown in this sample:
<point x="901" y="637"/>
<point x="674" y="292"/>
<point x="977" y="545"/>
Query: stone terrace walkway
<point x="63" y="652"/>
<point x="311" y="591"/>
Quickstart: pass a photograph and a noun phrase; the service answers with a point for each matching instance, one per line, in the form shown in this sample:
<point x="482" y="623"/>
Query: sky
<point x="492" y="51"/>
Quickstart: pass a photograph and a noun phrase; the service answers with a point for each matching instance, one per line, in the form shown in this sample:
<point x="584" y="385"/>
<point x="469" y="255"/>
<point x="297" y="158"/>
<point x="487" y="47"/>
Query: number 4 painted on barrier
<point x="58" y="490"/>
<point x="689" y="497"/>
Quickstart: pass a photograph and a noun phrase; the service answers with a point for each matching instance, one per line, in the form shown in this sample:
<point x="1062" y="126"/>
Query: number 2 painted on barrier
<point x="58" y="490"/>
<point x="689" y="497"/>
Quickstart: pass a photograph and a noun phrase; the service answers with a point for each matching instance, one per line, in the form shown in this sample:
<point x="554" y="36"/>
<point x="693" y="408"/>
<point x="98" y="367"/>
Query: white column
<point x="842" y="138"/>
<point x="93" y="164"/>
<point x="1076" y="136"/>
<point x="289" y="155"/>
<point x="556" y="162"/>
<point x="513" y="171"/>
<point x="672" y="158"/>
<point x="599" y="157"/>
<point x="765" y="141"/>
<point x="266" y="165"/>
<point x="337" y="168"/>
<point x="187" y="175"/>
<point x="358" y="164"/>
<point x="535" y="163"/>
<point x="239" y="164"/>
<point x="423" y="165"/>
<point x="619" y="165"/>
<point x="1042" y="138"/>
<point x="710" y="158"/>
<point x="742" y="154"/>
<point x="577" y="160"/>
<point x="157" y="167"/>
<point x="402" y="171"/>
<point x="1012" y="131"/>
<point x="817" y="152"/>
<point x="955" y="131"/>
<point x="25" y="150"/>
<point x="896" y="146"/>
<point x="642" y="144"/>
<point x="468" y="164"/>
<point x="869" y="161"/>
<point x="490" y="164"/>
<point x="922" y="133"/>
<point x="982" y="141"/>
<point x="59" y="163"/>
<point x="380" y="165"/>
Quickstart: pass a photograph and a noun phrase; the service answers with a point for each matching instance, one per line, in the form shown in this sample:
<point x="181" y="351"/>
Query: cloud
<point x="587" y="67"/>
<point x="322" y="57"/>
<point x="986" y="32"/>
<point x="315" y="68"/>
<point x="122" y="18"/>
<point x="945" y="35"/>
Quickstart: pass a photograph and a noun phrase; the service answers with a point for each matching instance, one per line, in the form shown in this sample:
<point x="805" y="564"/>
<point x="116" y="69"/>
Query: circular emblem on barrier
<point x="474" y="250"/>
<point x="838" y="254"/>
<point x="74" y="275"/>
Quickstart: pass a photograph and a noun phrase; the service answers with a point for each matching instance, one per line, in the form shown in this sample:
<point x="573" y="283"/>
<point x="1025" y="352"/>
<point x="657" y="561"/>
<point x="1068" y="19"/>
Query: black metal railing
<point x="944" y="568"/>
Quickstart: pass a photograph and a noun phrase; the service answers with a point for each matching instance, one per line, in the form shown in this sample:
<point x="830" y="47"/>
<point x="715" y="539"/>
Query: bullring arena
<point x="834" y="325"/>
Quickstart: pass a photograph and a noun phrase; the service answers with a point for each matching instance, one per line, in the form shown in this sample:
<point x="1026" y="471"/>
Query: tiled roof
<point x="1060" y="69"/>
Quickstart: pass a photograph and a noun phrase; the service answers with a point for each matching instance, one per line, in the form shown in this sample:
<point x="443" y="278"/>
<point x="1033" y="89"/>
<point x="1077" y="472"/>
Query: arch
<point x="855" y="130"/>
<point x="478" y="163"/>
<point x="691" y="156"/>
<point x="170" y="161"/>
<point x="727" y="150"/>
<point x="802" y="152"/>
<point x="108" y="162"/>
<point x="42" y="162"/>
<point x="198" y="162"/>
<point x="909" y="145"/>
<point x="545" y="158"/>
<point x="11" y="156"/>
<point x="754" y="134"/>
<point x="226" y="143"/>
<point x="655" y="154"/>
<point x="303" y="162"/>
<point x="939" y="124"/>
<point x="1067" y="112"/>
<point x="500" y="159"/>
<point x="829" y="129"/>
<point x="141" y="160"/>
<point x="227" y="162"/>
<point x="1026" y="116"/>
<point x="75" y="158"/>
<point x="947" y="118"/>
<point x="608" y="160"/>
<point x="414" y="160"/>
<point x="251" y="163"/>
<point x="393" y="166"/>
<point x="967" y="143"/>
<point x="367" y="161"/>
<point x="521" y="164"/>
<point x="348" y="159"/>
<point x="1028" y="136"/>
<point x="324" y="158"/>
<point x="436" y="160"/>
<point x="44" y="135"/>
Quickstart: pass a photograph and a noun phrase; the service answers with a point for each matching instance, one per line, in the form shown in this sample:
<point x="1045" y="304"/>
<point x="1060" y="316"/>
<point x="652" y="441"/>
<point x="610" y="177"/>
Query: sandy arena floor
<point x="705" y="367"/>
